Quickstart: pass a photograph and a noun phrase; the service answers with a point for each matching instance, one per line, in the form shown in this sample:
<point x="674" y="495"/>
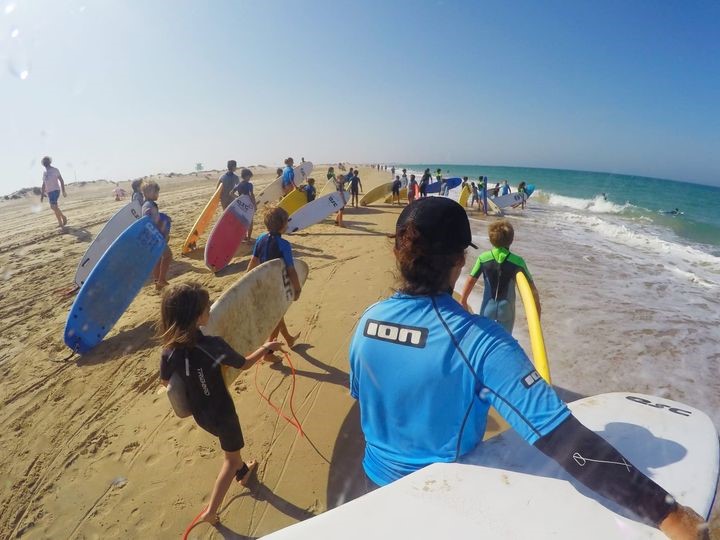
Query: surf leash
<point x="294" y="420"/>
<point x="69" y="356"/>
<point x="193" y="523"/>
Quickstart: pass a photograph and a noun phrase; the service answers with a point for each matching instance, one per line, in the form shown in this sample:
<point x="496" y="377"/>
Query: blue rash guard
<point x="420" y="403"/>
<point x="271" y="246"/>
<point x="288" y="176"/>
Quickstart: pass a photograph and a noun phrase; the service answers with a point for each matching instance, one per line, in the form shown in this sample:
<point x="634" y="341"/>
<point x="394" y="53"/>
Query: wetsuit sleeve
<point x="513" y="386"/>
<point x="224" y="353"/>
<point x="477" y="269"/>
<point x="286" y="252"/>
<point x="597" y="464"/>
<point x="256" y="247"/>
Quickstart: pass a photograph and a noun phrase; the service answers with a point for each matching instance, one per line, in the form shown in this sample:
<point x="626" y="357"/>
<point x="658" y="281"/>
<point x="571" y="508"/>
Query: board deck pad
<point x="249" y="310"/>
<point x="113" y="284"/>
<point x="316" y="211"/>
<point x="228" y="233"/>
<point x="509" y="489"/>
<point x="115" y="226"/>
<point x="202" y="222"/>
<point x="293" y="201"/>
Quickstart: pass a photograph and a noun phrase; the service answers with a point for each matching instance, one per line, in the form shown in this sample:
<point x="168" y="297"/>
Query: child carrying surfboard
<point x="198" y="359"/>
<point x="271" y="246"/>
<point x="151" y="191"/>
<point x="499" y="267"/>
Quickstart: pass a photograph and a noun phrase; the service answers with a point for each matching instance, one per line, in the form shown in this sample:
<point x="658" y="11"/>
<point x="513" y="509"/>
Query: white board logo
<point x="643" y="401"/>
<point x="411" y="336"/>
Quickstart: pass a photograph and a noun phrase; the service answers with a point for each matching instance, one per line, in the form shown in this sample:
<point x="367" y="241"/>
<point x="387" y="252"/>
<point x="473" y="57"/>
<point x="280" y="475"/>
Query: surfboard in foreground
<point x="508" y="489"/>
<point x="228" y="233"/>
<point x="293" y="201"/>
<point x="255" y="303"/>
<point x="113" y="284"/>
<point x="316" y="211"/>
<point x="122" y="219"/>
<point x="202" y="222"/>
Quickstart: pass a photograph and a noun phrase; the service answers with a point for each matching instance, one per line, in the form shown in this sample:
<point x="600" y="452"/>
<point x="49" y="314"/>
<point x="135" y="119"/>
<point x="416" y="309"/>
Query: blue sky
<point x="119" y="89"/>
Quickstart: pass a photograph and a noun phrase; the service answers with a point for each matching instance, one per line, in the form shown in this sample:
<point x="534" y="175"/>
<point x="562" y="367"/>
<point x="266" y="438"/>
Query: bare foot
<point x="160" y="285"/>
<point x="272" y="358"/>
<point x="65" y="220"/>
<point x="251" y="465"/>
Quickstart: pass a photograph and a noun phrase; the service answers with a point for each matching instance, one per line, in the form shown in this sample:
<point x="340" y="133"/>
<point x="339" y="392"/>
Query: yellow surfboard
<point x="464" y="195"/>
<point x="537" y="341"/>
<point x="293" y="201"/>
<point x="376" y="194"/>
<point x="202" y="223"/>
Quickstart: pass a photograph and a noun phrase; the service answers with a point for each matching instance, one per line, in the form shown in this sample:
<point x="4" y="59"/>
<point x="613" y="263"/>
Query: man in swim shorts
<point x="52" y="185"/>
<point x="229" y="181"/>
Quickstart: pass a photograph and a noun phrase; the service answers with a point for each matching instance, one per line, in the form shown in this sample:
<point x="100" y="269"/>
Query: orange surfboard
<point x="202" y="223"/>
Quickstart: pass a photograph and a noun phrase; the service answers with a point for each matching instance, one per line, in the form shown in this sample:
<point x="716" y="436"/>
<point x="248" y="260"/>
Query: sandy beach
<point x="91" y="448"/>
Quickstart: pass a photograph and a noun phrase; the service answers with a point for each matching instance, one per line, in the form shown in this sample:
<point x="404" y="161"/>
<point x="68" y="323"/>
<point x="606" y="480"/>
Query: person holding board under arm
<point x="424" y="398"/>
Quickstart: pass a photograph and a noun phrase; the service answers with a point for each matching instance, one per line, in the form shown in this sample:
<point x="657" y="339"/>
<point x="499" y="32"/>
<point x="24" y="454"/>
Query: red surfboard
<point x="228" y="233"/>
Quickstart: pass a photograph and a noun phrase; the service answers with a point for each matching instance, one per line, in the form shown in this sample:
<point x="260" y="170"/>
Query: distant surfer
<point x="505" y="190"/>
<point x="228" y="180"/>
<point x="339" y="184"/>
<point x="137" y="195"/>
<point x="604" y="196"/>
<point x="413" y="190"/>
<point x="404" y="178"/>
<point x="245" y="187"/>
<point x="494" y="192"/>
<point x="498" y="268"/>
<point x="396" y="186"/>
<point x="475" y="198"/>
<point x="52" y="185"/>
<point x="272" y="245"/>
<point x="355" y="188"/>
<point x="151" y="191"/>
<point x="425" y="373"/>
<point x="522" y="188"/>
<point x="675" y="212"/>
<point x="425" y="182"/>
<point x="197" y="360"/>
<point x="288" y="177"/>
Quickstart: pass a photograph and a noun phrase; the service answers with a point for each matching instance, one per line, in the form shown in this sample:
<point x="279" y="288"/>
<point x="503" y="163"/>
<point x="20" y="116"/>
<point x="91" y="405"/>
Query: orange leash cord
<point x="294" y="420"/>
<point x="192" y="524"/>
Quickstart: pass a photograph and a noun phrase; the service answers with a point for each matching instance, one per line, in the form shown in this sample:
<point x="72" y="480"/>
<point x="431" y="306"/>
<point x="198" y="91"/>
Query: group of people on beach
<point x="424" y="369"/>
<point x="419" y="338"/>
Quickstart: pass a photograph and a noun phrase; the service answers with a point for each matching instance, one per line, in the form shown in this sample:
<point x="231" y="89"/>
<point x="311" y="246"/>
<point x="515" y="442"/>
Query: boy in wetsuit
<point x="151" y="191"/>
<point x="271" y="246"/>
<point x="197" y="360"/>
<point x="499" y="268"/>
<point x="228" y="180"/>
<point x="355" y="183"/>
<point x="245" y="187"/>
<point x="310" y="190"/>
<point x="397" y="183"/>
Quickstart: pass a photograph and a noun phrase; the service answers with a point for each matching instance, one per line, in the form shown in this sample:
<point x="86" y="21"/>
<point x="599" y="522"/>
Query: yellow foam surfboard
<point x="464" y="195"/>
<point x="537" y="341"/>
<point x="293" y="201"/>
<point x="203" y="221"/>
<point x="376" y="193"/>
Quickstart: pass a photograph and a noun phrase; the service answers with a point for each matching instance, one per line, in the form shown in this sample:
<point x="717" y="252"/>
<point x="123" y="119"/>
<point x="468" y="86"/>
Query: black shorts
<point x="354" y="191"/>
<point x="227" y="429"/>
<point x="396" y="191"/>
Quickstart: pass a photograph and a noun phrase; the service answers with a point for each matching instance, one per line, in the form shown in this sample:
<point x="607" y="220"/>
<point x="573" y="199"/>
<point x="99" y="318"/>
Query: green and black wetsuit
<point x="499" y="268"/>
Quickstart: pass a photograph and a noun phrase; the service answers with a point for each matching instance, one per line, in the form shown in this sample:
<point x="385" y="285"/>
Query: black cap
<point x="441" y="221"/>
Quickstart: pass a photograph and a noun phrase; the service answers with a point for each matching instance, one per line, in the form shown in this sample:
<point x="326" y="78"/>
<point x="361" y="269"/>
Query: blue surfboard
<point x="453" y="182"/>
<point x="113" y="284"/>
<point x="529" y="189"/>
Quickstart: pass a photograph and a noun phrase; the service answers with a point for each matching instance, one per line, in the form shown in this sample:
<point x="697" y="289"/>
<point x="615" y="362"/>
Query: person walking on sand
<point x="271" y="246"/>
<point x="137" y="195"/>
<point x="355" y="183"/>
<point x="197" y="360"/>
<point x="397" y="183"/>
<point x="339" y="183"/>
<point x="229" y="181"/>
<point x="505" y="188"/>
<point x="475" y="198"/>
<point x="151" y="191"/>
<point x="499" y="267"/>
<point x="245" y="187"/>
<point x="404" y="178"/>
<point x="424" y="398"/>
<point x="52" y="185"/>
<point x="288" y="177"/>
<point x="413" y="189"/>
<point x="425" y="182"/>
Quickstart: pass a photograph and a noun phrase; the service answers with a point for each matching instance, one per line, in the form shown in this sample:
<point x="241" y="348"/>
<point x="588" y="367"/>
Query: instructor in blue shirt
<point x="425" y="373"/>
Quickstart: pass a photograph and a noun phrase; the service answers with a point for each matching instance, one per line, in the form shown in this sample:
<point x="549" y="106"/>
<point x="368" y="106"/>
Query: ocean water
<point x="630" y="297"/>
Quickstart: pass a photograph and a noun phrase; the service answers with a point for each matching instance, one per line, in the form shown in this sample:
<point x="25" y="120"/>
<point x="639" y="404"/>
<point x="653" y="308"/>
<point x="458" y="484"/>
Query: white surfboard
<point x="314" y="212"/>
<point x="249" y="310"/>
<point x="122" y="219"/>
<point x="508" y="489"/>
<point x="273" y="192"/>
<point x="511" y="199"/>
